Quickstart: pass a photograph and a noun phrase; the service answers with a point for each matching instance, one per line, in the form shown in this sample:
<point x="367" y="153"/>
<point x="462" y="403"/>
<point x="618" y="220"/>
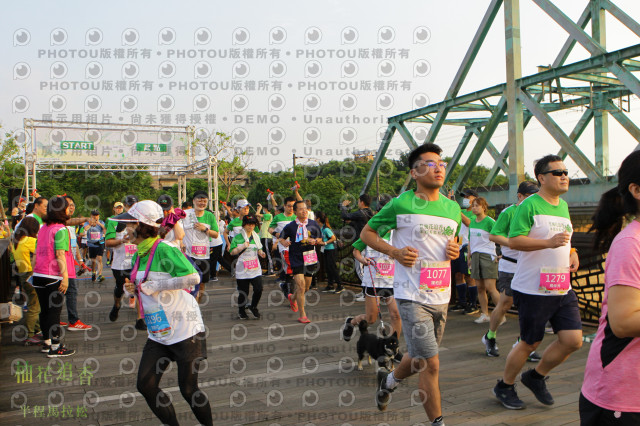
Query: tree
<point x="11" y="168"/>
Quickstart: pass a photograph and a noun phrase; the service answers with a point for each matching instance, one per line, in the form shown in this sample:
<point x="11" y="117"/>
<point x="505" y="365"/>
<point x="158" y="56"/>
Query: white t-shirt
<point x="383" y="273"/>
<point x="197" y="242"/>
<point x="501" y="228"/>
<point x="427" y="226"/>
<point x="479" y="236"/>
<point x="215" y="242"/>
<point x="542" y="272"/>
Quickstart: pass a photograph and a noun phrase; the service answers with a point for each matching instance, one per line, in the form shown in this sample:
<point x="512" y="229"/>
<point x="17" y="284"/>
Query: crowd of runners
<point x="412" y="252"/>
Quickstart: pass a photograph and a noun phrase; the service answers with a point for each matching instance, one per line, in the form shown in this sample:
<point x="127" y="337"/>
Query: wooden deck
<point x="269" y="372"/>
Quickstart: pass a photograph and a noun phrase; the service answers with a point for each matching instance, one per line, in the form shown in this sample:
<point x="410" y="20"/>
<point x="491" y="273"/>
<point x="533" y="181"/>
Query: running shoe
<point x="360" y="297"/>
<point x="45" y="348"/>
<point x="113" y="315"/>
<point x="100" y="278"/>
<point x="79" y="326"/>
<point x="140" y="325"/>
<point x="482" y="319"/>
<point x="491" y="348"/>
<point x="456" y="308"/>
<point x="383" y="394"/>
<point x="63" y="324"/>
<point x="534" y="357"/>
<point x="242" y="314"/>
<point x="347" y="329"/>
<point x="214" y="279"/>
<point x="507" y="396"/>
<point x="469" y="309"/>
<point x="255" y="312"/>
<point x="60" y="352"/>
<point x="339" y="289"/>
<point x="32" y="341"/>
<point x="328" y="289"/>
<point x="93" y="277"/>
<point x="538" y="387"/>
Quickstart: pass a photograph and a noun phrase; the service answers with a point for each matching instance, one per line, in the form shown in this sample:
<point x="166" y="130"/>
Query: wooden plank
<point x="277" y="371"/>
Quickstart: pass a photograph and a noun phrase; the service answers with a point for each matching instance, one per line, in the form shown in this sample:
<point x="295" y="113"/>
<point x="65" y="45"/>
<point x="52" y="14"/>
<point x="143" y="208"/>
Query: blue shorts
<point x="460" y="264"/>
<point x="535" y="310"/>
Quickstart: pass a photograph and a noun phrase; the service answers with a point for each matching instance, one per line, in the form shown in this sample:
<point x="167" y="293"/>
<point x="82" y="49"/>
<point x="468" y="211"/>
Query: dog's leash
<point x="375" y="293"/>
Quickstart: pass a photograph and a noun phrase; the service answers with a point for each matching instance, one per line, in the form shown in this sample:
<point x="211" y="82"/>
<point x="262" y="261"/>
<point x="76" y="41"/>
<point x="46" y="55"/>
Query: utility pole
<point x="294" y="162"/>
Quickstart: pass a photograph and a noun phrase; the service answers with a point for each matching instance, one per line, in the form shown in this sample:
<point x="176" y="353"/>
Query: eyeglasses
<point x="431" y="164"/>
<point x="557" y="172"/>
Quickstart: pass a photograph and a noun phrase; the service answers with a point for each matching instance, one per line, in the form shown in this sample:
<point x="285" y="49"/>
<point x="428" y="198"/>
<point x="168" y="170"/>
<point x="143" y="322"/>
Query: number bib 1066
<point x="385" y="268"/>
<point x="554" y="280"/>
<point x="310" y="257"/>
<point x="435" y="276"/>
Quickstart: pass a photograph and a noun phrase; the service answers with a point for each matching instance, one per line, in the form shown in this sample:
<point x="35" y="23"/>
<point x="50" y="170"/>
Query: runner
<point x="199" y="226"/>
<point x="24" y="242"/>
<point x="506" y="269"/>
<point x="484" y="262"/>
<point x="265" y="237"/>
<point x="329" y="249"/>
<point x="123" y="250"/>
<point x="216" y="255"/>
<point x="301" y="236"/>
<point x="278" y="224"/>
<point x="71" y="295"/>
<point x="466" y="289"/>
<point x="95" y="231"/>
<point x="541" y="229"/>
<point x="247" y="246"/>
<point x="176" y="331"/>
<point x="51" y="273"/>
<point x="176" y="234"/>
<point x="609" y="392"/>
<point x="426" y="223"/>
<point x="380" y="268"/>
<point x="235" y="226"/>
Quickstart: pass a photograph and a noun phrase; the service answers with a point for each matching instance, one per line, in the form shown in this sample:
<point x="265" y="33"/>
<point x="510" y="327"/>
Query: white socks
<point x="392" y="382"/>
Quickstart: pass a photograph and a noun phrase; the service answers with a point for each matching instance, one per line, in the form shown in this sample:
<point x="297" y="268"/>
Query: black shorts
<point x="307" y="270"/>
<point x="120" y="276"/>
<point x="205" y="268"/>
<point x="380" y="292"/>
<point x="534" y="311"/>
<point x="504" y="283"/>
<point x="188" y="350"/>
<point x="96" y="251"/>
<point x="594" y="415"/>
<point x="460" y="264"/>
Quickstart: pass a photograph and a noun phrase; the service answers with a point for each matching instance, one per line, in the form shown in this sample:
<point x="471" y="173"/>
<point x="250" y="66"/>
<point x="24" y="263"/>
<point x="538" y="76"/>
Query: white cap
<point x="145" y="211"/>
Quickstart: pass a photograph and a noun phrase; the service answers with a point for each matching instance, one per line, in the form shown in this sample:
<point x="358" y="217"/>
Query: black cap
<point x="165" y="201"/>
<point x="527" y="188"/>
<point x="200" y="194"/>
<point x="468" y="193"/>
<point x="130" y="200"/>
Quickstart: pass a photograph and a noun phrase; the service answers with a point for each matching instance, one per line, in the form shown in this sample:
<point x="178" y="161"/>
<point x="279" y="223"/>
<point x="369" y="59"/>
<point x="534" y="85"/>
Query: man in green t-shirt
<point x="265" y="236"/>
<point x="424" y="243"/>
<point x="541" y="230"/>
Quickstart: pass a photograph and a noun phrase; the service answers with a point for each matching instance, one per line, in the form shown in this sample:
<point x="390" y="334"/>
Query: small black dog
<point x="382" y="349"/>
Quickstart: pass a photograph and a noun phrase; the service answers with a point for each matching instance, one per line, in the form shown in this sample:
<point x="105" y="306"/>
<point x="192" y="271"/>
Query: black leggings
<point x="333" y="276"/>
<point x="155" y="360"/>
<point x="51" y="301"/>
<point x="215" y="257"/>
<point x="243" y="291"/>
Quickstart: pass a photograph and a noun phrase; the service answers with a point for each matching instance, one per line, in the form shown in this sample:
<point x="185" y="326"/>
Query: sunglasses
<point x="557" y="172"/>
<point x="431" y="164"/>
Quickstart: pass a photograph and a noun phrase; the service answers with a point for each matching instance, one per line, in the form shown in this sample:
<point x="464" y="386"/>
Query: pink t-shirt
<point x="612" y="375"/>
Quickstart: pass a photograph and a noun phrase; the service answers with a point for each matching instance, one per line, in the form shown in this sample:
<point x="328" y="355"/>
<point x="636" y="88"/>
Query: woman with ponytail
<point x="610" y="389"/>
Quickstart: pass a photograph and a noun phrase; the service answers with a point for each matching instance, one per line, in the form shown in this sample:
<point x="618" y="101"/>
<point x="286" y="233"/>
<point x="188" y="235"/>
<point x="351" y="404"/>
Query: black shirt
<point x="296" y="249"/>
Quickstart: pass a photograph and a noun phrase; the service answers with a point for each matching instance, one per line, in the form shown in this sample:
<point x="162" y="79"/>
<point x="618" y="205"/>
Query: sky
<point x="282" y="77"/>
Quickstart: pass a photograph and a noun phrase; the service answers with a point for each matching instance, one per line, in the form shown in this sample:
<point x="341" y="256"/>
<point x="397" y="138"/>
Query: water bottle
<point x="132" y="301"/>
